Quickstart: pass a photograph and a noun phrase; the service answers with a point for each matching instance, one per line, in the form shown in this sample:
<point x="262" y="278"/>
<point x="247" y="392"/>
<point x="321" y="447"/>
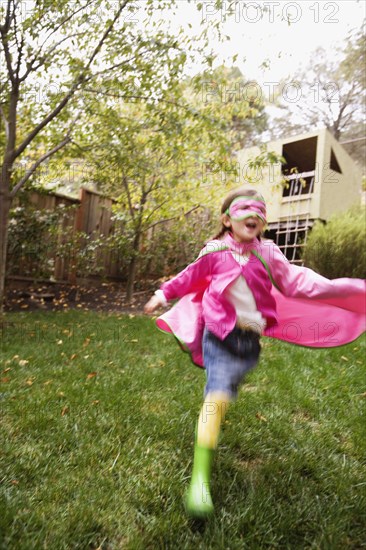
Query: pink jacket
<point x="299" y="305"/>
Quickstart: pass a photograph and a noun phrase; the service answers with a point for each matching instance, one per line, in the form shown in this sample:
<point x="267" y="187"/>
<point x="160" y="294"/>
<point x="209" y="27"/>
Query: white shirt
<point x="241" y="297"/>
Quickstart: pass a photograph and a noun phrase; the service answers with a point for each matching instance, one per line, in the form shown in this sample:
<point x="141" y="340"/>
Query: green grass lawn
<point x="98" y="416"/>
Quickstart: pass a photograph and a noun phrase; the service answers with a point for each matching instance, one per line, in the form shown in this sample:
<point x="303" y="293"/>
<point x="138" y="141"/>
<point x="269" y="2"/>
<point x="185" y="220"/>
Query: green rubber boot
<point x="198" y="499"/>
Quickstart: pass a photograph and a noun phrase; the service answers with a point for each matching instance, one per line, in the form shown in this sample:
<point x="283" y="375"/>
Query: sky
<point x="281" y="31"/>
<point x="273" y="40"/>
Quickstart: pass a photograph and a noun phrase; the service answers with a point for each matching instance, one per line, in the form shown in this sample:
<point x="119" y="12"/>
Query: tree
<point x="328" y="93"/>
<point x="168" y="153"/>
<point x="228" y="86"/>
<point x="48" y="57"/>
<point x="166" y="156"/>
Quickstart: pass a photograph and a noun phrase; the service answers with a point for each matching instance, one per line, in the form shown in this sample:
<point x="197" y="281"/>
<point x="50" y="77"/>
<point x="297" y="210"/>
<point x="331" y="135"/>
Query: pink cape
<point x="316" y="323"/>
<point x="310" y="323"/>
<point x="316" y="312"/>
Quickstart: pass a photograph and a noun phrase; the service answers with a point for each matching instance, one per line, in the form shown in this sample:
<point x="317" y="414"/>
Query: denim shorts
<point x="227" y="361"/>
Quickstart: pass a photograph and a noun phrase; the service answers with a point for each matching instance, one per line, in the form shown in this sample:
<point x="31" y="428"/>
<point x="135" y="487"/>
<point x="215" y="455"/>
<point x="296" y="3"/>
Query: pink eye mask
<point x="245" y="207"/>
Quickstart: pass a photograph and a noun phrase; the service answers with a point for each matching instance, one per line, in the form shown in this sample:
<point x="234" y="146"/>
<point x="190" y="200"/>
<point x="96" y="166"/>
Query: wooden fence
<point x="89" y="220"/>
<point x="92" y="216"/>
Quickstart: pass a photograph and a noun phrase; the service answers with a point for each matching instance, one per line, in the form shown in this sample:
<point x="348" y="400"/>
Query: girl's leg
<point x="211" y="417"/>
<point x="199" y="502"/>
<point x="226" y="364"/>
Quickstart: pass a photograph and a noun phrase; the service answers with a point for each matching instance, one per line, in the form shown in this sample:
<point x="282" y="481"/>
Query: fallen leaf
<point x="29" y="382"/>
<point x="249" y="388"/>
<point x="14" y="482"/>
<point x="59" y="342"/>
<point x="344" y="358"/>
<point x="261" y="417"/>
<point x="91" y="375"/>
<point x="23" y="362"/>
<point x="6" y="370"/>
<point x="86" y="342"/>
<point x="74" y="355"/>
<point x="64" y="411"/>
<point x="5" y="380"/>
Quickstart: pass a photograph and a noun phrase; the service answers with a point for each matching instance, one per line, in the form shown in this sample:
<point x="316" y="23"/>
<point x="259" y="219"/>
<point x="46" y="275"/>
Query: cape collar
<point x="241" y="248"/>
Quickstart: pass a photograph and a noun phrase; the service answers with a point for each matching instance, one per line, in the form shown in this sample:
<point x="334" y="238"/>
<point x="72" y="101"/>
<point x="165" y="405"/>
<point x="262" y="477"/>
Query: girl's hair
<point x="239" y="192"/>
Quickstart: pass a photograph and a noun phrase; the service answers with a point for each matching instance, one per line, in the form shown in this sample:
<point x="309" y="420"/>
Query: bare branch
<point x="44" y="157"/>
<point x="155" y="209"/>
<point x="9" y="16"/>
<point x="4" y="40"/>
<point x="20" y="55"/>
<point x="34" y="167"/>
<point x="151" y="186"/>
<point x="112" y="67"/>
<point x="350" y="93"/>
<point x="32" y="67"/>
<point x="141" y="97"/>
<point x="4" y="30"/>
<point x="5" y="27"/>
<point x="347" y="118"/>
<point x="6" y="123"/>
<point x="162" y="203"/>
<point x="63" y="21"/>
<point x="173" y="218"/>
<point x="82" y="147"/>
<point x="74" y="87"/>
<point x="125" y="185"/>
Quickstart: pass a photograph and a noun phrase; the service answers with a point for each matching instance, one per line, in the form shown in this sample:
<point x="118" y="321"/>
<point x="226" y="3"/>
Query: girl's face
<point x="246" y="217"/>
<point x="244" y="230"/>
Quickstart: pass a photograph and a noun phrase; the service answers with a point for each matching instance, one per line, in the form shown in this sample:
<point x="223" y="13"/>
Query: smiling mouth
<point x="251" y="225"/>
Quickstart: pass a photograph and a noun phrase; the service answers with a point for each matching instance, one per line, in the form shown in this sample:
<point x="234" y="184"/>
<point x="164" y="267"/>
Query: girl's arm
<point x="194" y="277"/>
<point x="302" y="282"/>
<point x="153" y="304"/>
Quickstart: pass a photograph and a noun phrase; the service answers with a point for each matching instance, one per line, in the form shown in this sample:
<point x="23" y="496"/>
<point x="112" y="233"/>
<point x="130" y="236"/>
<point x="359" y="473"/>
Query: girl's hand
<point x="152" y="304"/>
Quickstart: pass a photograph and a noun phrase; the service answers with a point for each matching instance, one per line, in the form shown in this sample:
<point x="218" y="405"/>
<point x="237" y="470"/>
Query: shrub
<point x="173" y="245"/>
<point x="337" y="249"/>
<point x="31" y="241"/>
<point x="38" y="237"/>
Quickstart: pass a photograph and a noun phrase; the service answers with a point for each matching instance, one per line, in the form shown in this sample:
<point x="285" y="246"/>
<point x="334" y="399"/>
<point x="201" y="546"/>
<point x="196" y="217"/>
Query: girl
<point x="239" y="288"/>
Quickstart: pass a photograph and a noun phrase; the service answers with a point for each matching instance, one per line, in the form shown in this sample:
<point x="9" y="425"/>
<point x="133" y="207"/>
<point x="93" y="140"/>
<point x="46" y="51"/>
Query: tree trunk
<point x="131" y="279"/>
<point x="5" y="204"/>
<point x="5" y="181"/>
<point x="132" y="267"/>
